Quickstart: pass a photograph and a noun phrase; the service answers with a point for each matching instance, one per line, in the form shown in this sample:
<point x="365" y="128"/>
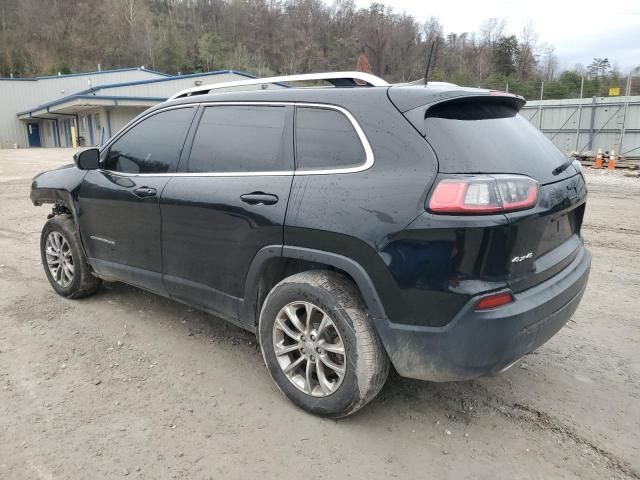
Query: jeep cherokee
<point x="427" y="227"/>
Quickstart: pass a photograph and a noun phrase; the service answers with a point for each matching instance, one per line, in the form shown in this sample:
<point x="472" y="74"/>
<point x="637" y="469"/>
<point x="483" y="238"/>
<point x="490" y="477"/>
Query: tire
<point x="80" y="282"/>
<point x="364" y="364"/>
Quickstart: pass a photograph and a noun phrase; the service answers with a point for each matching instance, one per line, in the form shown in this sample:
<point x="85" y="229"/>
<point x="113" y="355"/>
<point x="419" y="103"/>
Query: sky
<point x="579" y="30"/>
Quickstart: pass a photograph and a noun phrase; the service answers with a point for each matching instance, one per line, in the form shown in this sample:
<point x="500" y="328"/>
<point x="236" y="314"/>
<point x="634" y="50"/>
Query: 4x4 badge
<point x="522" y="258"/>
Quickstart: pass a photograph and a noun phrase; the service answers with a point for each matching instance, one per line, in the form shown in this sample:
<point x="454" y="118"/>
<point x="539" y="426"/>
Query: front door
<point x="226" y="203"/>
<point x="119" y="213"/>
<point x="33" y="134"/>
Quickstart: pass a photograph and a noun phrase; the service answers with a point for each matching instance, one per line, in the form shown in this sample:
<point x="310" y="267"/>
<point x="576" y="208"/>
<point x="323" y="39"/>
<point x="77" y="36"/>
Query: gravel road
<point x="126" y="383"/>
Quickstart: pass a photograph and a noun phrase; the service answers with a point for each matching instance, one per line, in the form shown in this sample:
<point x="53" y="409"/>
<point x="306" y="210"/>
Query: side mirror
<point x="88" y="159"/>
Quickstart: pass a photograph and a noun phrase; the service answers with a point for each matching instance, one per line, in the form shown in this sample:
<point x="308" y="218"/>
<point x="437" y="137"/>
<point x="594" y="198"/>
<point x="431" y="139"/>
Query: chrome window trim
<point x="368" y="163"/>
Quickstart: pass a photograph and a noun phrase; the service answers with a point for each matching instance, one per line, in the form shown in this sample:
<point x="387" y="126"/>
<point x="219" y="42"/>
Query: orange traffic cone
<point x="598" y="163"/>
<point x="611" y="164"/>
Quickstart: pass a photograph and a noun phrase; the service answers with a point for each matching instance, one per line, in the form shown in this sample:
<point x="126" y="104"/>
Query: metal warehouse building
<point x="48" y="111"/>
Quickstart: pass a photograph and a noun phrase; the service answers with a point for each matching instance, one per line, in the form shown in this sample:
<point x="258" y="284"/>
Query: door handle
<point x="259" y="198"/>
<point x="144" y="192"/>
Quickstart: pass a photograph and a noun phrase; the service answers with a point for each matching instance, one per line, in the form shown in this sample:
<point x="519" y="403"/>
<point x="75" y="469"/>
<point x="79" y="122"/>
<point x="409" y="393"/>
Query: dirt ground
<point x="126" y="383"/>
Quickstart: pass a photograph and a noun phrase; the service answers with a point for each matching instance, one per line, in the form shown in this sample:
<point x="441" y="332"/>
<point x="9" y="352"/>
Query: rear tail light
<point x="494" y="300"/>
<point x="484" y="194"/>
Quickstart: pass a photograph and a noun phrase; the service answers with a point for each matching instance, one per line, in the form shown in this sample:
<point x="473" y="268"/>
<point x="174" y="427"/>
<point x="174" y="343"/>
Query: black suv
<point x="427" y="227"/>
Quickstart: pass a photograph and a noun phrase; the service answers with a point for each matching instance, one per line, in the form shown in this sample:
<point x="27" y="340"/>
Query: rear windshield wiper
<point x="563" y="167"/>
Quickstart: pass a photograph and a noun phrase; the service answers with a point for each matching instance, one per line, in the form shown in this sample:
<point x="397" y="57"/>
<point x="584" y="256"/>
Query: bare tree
<point x="527" y="55"/>
<point x="271" y="36"/>
<point x="549" y="63"/>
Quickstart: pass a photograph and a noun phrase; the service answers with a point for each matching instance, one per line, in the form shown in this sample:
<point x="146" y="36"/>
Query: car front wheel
<point x="64" y="261"/>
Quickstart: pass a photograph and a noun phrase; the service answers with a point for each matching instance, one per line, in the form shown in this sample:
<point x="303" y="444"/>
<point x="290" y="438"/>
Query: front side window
<point x="326" y="139"/>
<point x="239" y="138"/>
<point x="151" y="146"/>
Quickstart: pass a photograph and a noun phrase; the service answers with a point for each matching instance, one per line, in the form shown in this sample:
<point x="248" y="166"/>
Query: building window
<point x="96" y="121"/>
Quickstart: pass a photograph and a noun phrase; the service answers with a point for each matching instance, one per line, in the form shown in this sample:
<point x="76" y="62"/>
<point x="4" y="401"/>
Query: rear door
<point x="119" y="212"/>
<point x="485" y="136"/>
<point x="227" y="202"/>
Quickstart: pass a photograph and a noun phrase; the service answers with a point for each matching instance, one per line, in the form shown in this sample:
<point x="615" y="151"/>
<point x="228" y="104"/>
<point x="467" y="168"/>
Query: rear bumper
<point x="476" y="344"/>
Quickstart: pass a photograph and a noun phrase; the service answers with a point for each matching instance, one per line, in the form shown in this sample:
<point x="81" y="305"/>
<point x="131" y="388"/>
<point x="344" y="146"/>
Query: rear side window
<point x="236" y="138"/>
<point x="326" y="139"/>
<point x="151" y="146"/>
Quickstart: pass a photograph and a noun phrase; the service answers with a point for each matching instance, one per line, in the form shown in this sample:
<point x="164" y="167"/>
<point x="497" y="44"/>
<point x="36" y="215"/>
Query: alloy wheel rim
<point x="59" y="259"/>
<point x="309" y="349"/>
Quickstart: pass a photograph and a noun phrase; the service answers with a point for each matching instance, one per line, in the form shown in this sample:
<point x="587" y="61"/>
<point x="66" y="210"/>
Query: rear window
<point x="326" y="139"/>
<point x="488" y="136"/>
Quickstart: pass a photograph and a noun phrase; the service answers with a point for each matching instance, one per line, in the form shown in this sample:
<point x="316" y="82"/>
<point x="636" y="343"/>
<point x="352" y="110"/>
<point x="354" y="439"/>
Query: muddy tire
<point x="64" y="261"/>
<point x="319" y="345"/>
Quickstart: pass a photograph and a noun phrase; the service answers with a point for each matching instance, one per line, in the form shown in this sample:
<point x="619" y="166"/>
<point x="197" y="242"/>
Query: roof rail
<point x="337" y="79"/>
<point x="430" y="83"/>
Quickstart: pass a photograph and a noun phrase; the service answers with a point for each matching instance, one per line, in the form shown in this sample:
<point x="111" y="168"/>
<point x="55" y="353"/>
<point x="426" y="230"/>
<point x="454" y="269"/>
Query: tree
<point x="375" y="28"/>
<point x="505" y="55"/>
<point x="526" y="61"/>
<point x="213" y="51"/>
<point x="599" y="67"/>
<point x="362" y="64"/>
<point x="549" y="63"/>
<point x="278" y="37"/>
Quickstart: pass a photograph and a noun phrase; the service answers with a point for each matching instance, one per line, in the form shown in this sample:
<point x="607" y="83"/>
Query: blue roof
<point x="49" y="77"/>
<point x="167" y="79"/>
<point x="89" y="92"/>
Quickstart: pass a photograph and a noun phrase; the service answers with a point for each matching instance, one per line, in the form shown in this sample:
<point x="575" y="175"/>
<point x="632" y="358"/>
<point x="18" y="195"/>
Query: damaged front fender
<point x="58" y="186"/>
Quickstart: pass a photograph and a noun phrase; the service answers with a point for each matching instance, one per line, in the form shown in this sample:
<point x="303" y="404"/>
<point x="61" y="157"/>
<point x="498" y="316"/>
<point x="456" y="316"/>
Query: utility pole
<point x="624" y="114"/>
<point x="579" y="115"/>
<point x="540" y="106"/>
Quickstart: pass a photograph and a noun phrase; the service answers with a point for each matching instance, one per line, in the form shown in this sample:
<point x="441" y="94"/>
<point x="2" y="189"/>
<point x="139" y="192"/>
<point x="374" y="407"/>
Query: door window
<point x="326" y="139"/>
<point x="238" y="138"/>
<point x="151" y="146"/>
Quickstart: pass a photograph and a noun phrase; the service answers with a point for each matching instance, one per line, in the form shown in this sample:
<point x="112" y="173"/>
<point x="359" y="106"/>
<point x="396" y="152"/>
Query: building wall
<point x="21" y="95"/>
<point x="110" y="121"/>
<point x="48" y="135"/>
<point x="121" y="116"/>
<point x="17" y="95"/>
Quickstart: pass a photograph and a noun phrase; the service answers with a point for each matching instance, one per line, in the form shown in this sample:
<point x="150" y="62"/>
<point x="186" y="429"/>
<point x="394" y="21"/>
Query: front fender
<point x="57" y="186"/>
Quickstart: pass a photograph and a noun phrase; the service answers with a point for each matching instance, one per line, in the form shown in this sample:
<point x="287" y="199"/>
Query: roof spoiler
<point x="417" y="115"/>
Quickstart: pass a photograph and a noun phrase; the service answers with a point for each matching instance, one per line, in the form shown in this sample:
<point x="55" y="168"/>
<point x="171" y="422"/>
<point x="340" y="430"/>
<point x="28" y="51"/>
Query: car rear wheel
<point x="319" y="346"/>
<point x="64" y="261"/>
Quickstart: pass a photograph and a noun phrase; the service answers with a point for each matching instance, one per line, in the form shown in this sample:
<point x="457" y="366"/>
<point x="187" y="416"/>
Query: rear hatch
<point x="483" y="135"/>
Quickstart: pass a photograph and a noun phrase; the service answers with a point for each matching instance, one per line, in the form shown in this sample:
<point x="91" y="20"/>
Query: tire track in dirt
<point x="606" y="228"/>
<point x="16" y="234"/>
<point x="475" y="398"/>
<point x="543" y="421"/>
